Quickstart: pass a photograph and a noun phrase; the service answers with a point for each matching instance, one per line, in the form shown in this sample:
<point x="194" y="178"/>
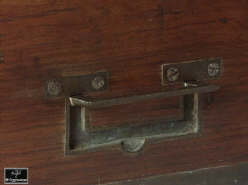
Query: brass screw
<point x="54" y="87"/>
<point x="98" y="82"/>
<point x="173" y="74"/>
<point x="213" y="69"/>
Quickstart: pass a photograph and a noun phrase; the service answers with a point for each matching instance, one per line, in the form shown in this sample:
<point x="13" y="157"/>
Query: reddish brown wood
<point x="138" y="113"/>
<point x="130" y="39"/>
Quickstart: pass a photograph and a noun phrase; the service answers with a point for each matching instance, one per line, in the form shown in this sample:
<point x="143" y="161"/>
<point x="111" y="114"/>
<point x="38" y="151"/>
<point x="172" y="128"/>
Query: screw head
<point x="54" y="87"/>
<point x="172" y="74"/>
<point x="213" y="69"/>
<point x="98" y="82"/>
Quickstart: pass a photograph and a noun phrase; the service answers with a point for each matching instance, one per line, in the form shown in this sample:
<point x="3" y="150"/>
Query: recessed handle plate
<point x="80" y="138"/>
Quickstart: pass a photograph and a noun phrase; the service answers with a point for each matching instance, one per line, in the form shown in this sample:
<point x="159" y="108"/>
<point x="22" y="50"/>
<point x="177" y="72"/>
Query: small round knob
<point x="133" y="145"/>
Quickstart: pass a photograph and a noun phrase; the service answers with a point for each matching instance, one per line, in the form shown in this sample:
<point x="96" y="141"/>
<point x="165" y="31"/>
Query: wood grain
<point x="131" y="40"/>
<point x="137" y="113"/>
<point x="229" y="175"/>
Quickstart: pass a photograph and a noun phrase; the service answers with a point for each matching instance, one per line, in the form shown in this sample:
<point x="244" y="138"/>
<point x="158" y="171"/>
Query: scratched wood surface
<point x="130" y="39"/>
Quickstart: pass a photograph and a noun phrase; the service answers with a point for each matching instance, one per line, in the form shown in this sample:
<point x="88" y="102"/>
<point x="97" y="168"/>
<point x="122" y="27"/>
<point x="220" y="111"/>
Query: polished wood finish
<point x="41" y="39"/>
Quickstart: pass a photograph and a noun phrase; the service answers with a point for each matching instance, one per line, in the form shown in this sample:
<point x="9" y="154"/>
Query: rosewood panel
<point x="41" y="39"/>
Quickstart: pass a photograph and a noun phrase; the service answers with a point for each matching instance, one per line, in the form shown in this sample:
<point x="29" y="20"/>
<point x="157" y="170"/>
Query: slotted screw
<point x="54" y="87"/>
<point x="98" y="82"/>
<point x="172" y="74"/>
<point x="213" y="69"/>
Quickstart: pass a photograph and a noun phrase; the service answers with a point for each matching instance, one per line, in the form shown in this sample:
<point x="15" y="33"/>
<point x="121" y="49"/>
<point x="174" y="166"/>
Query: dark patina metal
<point x="76" y="85"/>
<point x="195" y="70"/>
<point x="80" y="137"/>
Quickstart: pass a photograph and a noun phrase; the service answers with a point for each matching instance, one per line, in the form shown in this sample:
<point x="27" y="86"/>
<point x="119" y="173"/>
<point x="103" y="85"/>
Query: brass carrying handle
<point x="80" y="138"/>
